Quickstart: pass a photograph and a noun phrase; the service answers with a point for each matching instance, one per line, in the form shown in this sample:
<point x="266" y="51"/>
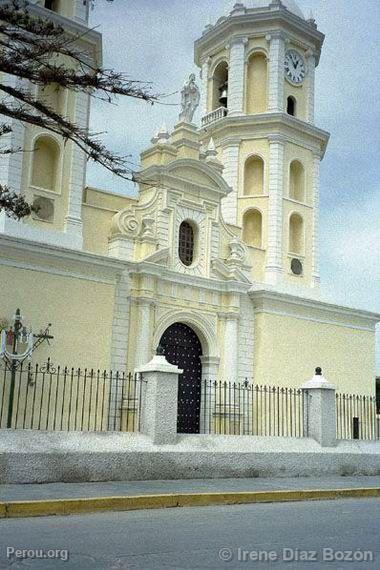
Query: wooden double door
<point x="182" y="347"/>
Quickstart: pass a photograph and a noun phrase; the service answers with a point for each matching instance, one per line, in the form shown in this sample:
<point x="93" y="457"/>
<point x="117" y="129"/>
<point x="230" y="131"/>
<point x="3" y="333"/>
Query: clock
<point x="295" y="67"/>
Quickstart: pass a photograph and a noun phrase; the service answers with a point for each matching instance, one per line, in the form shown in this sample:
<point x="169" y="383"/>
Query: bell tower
<point x="51" y="173"/>
<point x="258" y="69"/>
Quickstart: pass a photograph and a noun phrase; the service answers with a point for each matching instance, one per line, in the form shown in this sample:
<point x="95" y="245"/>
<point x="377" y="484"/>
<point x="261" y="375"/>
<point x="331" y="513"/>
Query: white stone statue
<point x="190" y="100"/>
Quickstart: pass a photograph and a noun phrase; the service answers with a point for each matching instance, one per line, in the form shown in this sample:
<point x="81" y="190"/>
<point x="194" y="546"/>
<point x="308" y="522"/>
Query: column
<point x="311" y="87"/>
<point x="73" y="219"/>
<point x="276" y="72"/>
<point x="236" y="71"/>
<point x="230" y="174"/>
<point x="315" y="247"/>
<point x="320" y="419"/>
<point x="204" y="87"/>
<point x="274" y="268"/>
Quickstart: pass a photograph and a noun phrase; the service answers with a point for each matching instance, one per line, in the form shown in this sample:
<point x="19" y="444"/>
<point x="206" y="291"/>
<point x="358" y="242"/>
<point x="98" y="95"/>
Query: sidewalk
<point x="78" y="498"/>
<point x="49" y="491"/>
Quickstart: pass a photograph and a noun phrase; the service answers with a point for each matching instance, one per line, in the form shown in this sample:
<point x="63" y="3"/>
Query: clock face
<point x="295" y="67"/>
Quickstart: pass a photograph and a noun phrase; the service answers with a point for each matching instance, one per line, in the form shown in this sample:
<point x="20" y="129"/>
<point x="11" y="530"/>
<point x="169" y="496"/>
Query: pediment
<point x="198" y="173"/>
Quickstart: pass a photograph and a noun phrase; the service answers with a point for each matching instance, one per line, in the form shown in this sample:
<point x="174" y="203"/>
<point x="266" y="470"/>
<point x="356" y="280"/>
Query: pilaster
<point x="73" y="220"/>
<point x="236" y="73"/>
<point x="205" y="82"/>
<point x="230" y="346"/>
<point x="143" y="331"/>
<point x="315" y="247"/>
<point x="276" y="72"/>
<point x="230" y="174"/>
<point x="311" y="87"/>
<point x="274" y="268"/>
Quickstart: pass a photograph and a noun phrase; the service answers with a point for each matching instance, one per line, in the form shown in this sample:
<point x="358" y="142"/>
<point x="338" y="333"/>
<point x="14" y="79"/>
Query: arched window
<point x="297" y="181"/>
<point x="291" y="106"/>
<point x="220" y="86"/>
<point x="253" y="228"/>
<point x="186" y="242"/>
<point x="296" y="234"/>
<point x="253" y="176"/>
<point x="257" y="80"/>
<point x="45" y="163"/>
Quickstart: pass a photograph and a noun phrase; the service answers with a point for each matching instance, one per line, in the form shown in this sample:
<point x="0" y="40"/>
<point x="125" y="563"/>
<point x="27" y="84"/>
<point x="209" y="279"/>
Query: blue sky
<point x="152" y="40"/>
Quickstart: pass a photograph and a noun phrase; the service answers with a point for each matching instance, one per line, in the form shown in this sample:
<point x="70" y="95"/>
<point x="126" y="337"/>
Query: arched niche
<point x="220" y="85"/>
<point x="296" y="234"/>
<point x="253" y="176"/>
<point x="45" y="163"/>
<point x="253" y="228"/>
<point x="257" y="81"/>
<point x="297" y="181"/>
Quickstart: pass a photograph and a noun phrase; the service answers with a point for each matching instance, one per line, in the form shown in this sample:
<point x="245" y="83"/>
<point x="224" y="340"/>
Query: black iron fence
<point x="67" y="399"/>
<point x="242" y="408"/>
<point x="356" y="417"/>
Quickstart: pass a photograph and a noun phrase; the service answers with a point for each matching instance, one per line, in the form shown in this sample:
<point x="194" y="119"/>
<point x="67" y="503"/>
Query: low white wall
<point x="42" y="457"/>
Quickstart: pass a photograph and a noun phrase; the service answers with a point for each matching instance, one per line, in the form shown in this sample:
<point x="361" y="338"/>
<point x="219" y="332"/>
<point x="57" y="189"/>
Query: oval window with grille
<point x="186" y="243"/>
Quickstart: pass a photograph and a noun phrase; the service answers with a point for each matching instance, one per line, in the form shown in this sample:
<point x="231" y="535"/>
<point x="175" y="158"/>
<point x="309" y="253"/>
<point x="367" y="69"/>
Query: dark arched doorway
<point x="183" y="348"/>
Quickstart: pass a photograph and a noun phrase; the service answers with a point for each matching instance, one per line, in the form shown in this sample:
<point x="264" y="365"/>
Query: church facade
<point x="217" y="260"/>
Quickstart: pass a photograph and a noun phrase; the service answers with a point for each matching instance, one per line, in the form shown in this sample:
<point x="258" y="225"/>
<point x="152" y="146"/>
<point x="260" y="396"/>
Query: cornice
<point x="27" y="253"/>
<point x="234" y="129"/>
<point x="84" y="33"/>
<point x="271" y="22"/>
<point x="262" y="300"/>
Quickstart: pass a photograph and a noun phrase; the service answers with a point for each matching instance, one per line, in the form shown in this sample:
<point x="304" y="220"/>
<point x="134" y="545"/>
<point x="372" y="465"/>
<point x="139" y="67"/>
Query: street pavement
<point x="122" y="488"/>
<point x="282" y="535"/>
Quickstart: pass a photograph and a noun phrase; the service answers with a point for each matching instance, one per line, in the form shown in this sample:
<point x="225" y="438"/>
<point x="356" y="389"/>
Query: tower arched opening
<point x="220" y="86"/>
<point x="291" y="106"/>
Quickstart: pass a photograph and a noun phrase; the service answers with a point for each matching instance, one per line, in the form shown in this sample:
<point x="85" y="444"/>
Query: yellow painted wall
<point x="287" y="349"/>
<point x="81" y="313"/>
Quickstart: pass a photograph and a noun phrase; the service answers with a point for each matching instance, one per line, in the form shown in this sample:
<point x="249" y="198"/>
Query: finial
<point x="163" y="134"/>
<point x="318" y="371"/>
<point x="276" y="4"/>
<point x="211" y="149"/>
<point x="311" y="18"/>
<point x="238" y="9"/>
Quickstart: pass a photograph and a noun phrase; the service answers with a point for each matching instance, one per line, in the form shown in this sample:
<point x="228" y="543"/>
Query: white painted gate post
<point x="321" y="409"/>
<point x="160" y="400"/>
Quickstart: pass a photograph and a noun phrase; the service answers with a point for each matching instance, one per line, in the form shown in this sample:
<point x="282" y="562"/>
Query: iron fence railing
<point x="67" y="399"/>
<point x="242" y="408"/>
<point x="356" y="417"/>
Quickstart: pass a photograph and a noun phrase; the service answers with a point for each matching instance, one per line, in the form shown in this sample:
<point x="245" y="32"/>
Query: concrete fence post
<point x="160" y="400"/>
<point x="321" y="409"/>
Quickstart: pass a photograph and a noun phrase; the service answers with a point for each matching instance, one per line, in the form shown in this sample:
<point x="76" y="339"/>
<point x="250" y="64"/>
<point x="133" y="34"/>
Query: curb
<point x="39" y="508"/>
